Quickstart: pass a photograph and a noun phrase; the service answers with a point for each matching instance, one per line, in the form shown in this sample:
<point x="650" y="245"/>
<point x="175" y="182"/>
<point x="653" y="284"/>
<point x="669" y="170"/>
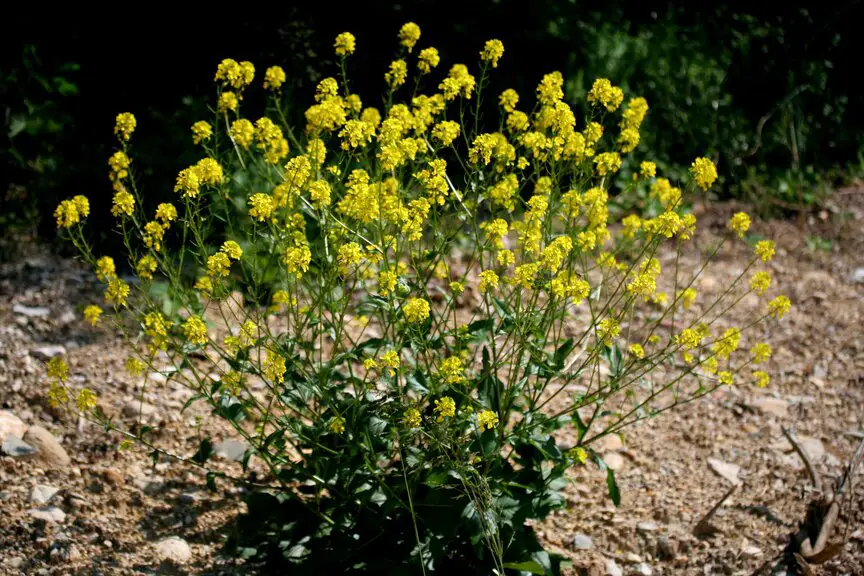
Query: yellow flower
<point x="779" y="306"/>
<point x="105" y="269"/>
<point x="218" y="265"/>
<point x="724" y="346"/>
<point x="188" y="183"/>
<point x="319" y="192"/>
<point x="739" y="223"/>
<point x="648" y="169"/>
<point x="525" y="274"/>
<point x="243" y="132"/>
<point x="124" y="126"/>
<point x="297" y="259"/>
<point x="261" y="206"/>
<point x="427" y="60"/>
<point x="603" y="93"/>
<point x="227" y="102"/>
<point x="349" y="255"/>
<point x="578" y="454"/>
<point x="117" y="292"/>
<point x="356" y="134"/>
<point x="72" y="211"/>
<point x="631" y="224"/>
<point x="457" y="287"/>
<point x="135" y="366"/>
<point x="195" y="330"/>
<point x="416" y="310"/>
<point x="704" y="172"/>
<point x="607" y="163"/>
<point x="201" y="132"/>
<point x="119" y="163"/>
<point x="232" y="250"/>
<point x="760" y="352"/>
<point x="445" y="132"/>
<point x="370" y="364"/>
<point x="637" y="351"/>
<point x="58" y="369"/>
<point x="506" y="258"/>
<point x="550" y="91"/>
<point x="274" y="367"/>
<point x="390" y="359"/>
<point x="146" y="267"/>
<point x="397" y="74"/>
<point x="764" y="250"/>
<point x="688" y="297"/>
<point x="635" y="113"/>
<point x="409" y="34"/>
<point x="166" y="213"/>
<point x="372" y="116"/>
<point x="274" y="77"/>
<point x="452" y="370"/>
<point x="209" y="171"/>
<point x="629" y="140"/>
<point x="508" y="100"/>
<point x="387" y="282"/>
<point x="689" y="338"/>
<point x="762" y="378"/>
<point x="57" y="395"/>
<point x="337" y="425"/>
<point x="204" y="284"/>
<point x="154" y="232"/>
<point x="458" y="81"/>
<point x="760" y="282"/>
<point x="86" y="400"/>
<point x="92" y="313"/>
<point x="492" y="52"/>
<point x="726" y="378"/>
<point x="607" y="330"/>
<point x="486" y="420"/>
<point x="412" y="418"/>
<point x="345" y="44"/>
<point x="445" y="407"/>
<point x="124" y="203"/>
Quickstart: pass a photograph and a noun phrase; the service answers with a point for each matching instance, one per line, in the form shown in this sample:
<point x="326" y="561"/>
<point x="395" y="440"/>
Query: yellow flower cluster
<point x="125" y="126"/>
<point x="409" y="34"/>
<point x="274" y="78"/>
<point x="603" y="93"/>
<point x="345" y="44"/>
<point x="486" y="420"/>
<point x="92" y="314"/>
<point x="72" y="211"/>
<point x="427" y="60"/>
<point x="492" y="52"/>
<point x="195" y="330"/>
<point x="238" y="75"/>
<point x="445" y="407"/>
<point x="416" y="310"/>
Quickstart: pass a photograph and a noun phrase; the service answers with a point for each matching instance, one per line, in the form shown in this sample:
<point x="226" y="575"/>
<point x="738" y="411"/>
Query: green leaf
<point x="614" y="493"/>
<point x="529" y="566"/>
<point x="205" y="450"/>
<point x="481" y="325"/>
<point x="562" y="352"/>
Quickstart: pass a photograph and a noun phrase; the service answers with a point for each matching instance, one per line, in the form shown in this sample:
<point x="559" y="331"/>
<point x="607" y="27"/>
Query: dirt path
<point x="116" y="507"/>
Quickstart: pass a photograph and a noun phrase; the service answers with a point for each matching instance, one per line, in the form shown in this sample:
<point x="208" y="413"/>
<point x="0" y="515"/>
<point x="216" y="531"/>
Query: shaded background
<point x="768" y="92"/>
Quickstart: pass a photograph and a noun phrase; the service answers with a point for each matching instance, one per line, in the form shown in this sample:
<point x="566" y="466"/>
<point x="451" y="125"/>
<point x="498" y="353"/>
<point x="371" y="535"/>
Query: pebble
<point x="666" y="549"/>
<point x="614" y="461"/>
<point x="189" y="497"/>
<point x="646" y="527"/>
<point x="42" y="493"/>
<point x="813" y="447"/>
<point x="632" y="558"/>
<point x="31" y="311"/>
<point x="771" y="406"/>
<point x="48" y="352"/>
<point x="48" y="514"/>
<point x="609" y="443"/>
<point x="231" y="450"/>
<point x="858" y="276"/>
<point x="582" y="542"/>
<point x="643" y="569"/>
<point x="725" y="470"/>
<point x="751" y="551"/>
<point x="135" y="407"/>
<point x="11" y="425"/>
<point x="15" y="447"/>
<point x="50" y="450"/>
<point x="612" y="568"/>
<point x="173" y="549"/>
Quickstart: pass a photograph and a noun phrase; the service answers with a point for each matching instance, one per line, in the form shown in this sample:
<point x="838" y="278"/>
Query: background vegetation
<point x="768" y="93"/>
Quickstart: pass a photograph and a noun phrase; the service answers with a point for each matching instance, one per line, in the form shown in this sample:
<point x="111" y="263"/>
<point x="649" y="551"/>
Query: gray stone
<point x="50" y="450"/>
<point x="646" y="527"/>
<point x="48" y="352"/>
<point x="612" y="568"/>
<point x="666" y="549"/>
<point x="174" y="550"/>
<point x="609" y="443"/>
<point x="231" y="450"/>
<point x="11" y="425"/>
<point x="17" y="448"/>
<point x="48" y="514"/>
<point x="725" y="470"/>
<point x="858" y="275"/>
<point x="771" y="406"/>
<point x="642" y="569"/>
<point x="15" y="562"/>
<point x="42" y="493"/>
<point x="149" y="484"/>
<point x="189" y="497"/>
<point x="147" y="411"/>
<point x="31" y="311"/>
<point x="751" y="551"/>
<point x="582" y="542"/>
<point x="813" y="447"/>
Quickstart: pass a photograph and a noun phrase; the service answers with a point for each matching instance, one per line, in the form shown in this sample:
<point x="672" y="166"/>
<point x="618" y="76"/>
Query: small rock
<point x="771" y="406"/>
<point x="189" y="497"/>
<point x="17" y="448"/>
<point x="582" y="542"/>
<point x="50" y="450"/>
<point x="614" y="460"/>
<point x="642" y="569"/>
<point x="136" y="407"/>
<point x="231" y="450"/>
<point x="725" y="470"/>
<point x="149" y="484"/>
<point x="609" y="443"/>
<point x="174" y="550"/>
<point x="42" y="493"/>
<point x="666" y="549"/>
<point x="858" y="276"/>
<point x="112" y="476"/>
<point x="31" y="311"/>
<point x="48" y="352"/>
<point x="15" y="562"/>
<point x="48" y="514"/>
<point x="813" y="447"/>
<point x="612" y="568"/>
<point x="646" y="527"/>
<point x="751" y="551"/>
<point x="632" y="558"/>
<point x="11" y="425"/>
